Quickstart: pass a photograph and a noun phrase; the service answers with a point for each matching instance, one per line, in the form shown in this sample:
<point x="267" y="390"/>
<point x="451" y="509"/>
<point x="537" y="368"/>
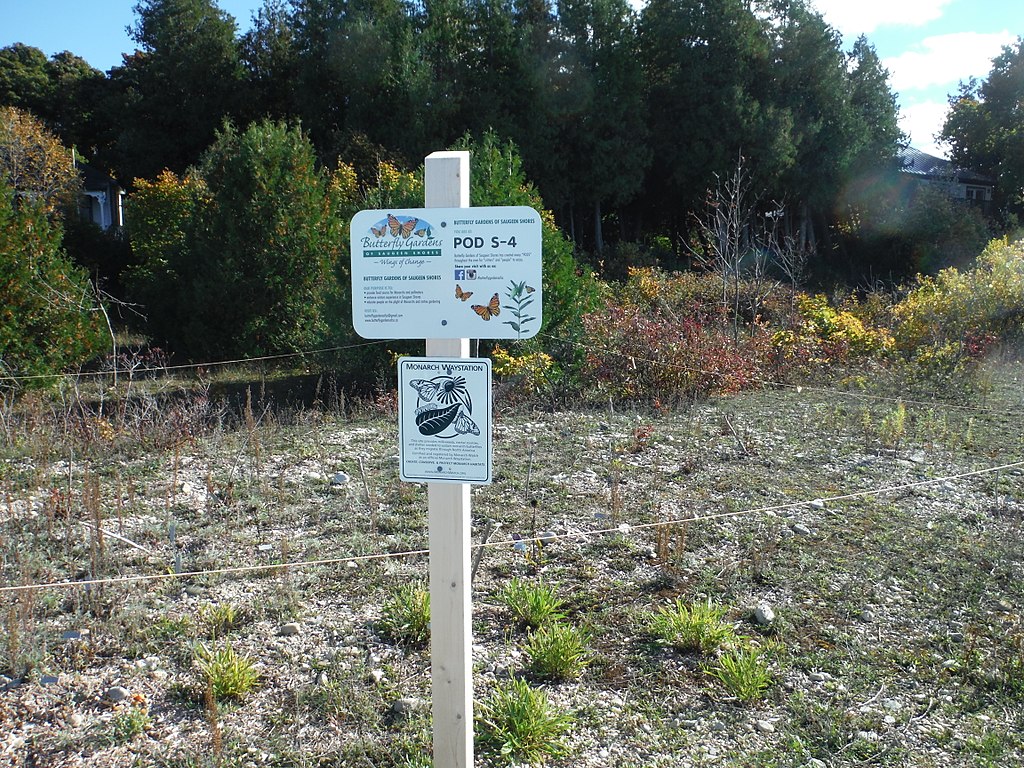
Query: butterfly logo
<point x="465" y="425"/>
<point x="530" y="289"/>
<point x="461" y="294"/>
<point x="420" y="232"/>
<point x="404" y="229"/>
<point x="492" y="309"/>
<point x="379" y="231"/>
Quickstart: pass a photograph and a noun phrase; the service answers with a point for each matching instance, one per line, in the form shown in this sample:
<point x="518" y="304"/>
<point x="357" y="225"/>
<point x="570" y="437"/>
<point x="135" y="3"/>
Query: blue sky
<point x="928" y="46"/>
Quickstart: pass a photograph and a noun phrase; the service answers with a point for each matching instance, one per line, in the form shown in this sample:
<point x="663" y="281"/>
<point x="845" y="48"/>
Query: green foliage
<point x="694" y="627"/>
<point x="405" y="616"/>
<point x="743" y="672"/>
<point x="983" y="130"/>
<point x="558" y="651"/>
<point x="533" y="604"/>
<point x="248" y="252"/>
<point x="229" y="674"/>
<point x="48" y="320"/>
<point x="967" y="306"/>
<point x="521" y="723"/>
<point x="497" y="178"/>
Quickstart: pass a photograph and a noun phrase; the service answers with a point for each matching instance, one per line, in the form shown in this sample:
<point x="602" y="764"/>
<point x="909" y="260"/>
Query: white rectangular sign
<point x="447" y="273"/>
<point x="444" y="420"/>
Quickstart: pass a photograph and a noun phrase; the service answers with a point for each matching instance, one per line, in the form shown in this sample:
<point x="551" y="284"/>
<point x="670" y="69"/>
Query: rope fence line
<point x="193" y="366"/>
<point x="786" y="385"/>
<point x="545" y="539"/>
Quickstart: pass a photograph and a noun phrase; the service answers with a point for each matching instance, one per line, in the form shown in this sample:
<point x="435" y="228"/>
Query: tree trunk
<point x="598" y="234"/>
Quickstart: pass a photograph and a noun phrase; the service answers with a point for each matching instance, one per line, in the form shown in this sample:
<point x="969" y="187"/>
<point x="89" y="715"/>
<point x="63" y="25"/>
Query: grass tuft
<point x="521" y="723"/>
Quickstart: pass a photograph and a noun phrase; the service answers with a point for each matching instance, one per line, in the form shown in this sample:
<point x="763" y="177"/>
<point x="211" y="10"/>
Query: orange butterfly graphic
<point x="530" y="289"/>
<point x="379" y="231"/>
<point x="493" y="308"/>
<point x="401" y="228"/>
<point x="461" y="294"/>
<point x="420" y="232"/>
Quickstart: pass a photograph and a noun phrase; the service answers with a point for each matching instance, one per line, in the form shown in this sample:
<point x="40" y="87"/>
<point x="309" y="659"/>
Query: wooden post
<point x="446" y="183"/>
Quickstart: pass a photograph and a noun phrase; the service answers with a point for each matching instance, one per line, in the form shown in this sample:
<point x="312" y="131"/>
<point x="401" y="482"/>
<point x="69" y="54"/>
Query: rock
<point x="801" y="530"/>
<point x="75" y="634"/>
<point x="867" y="615"/>
<point x="117" y="693"/>
<point x="290" y="629"/>
<point x="917" y="457"/>
<point x="817" y="504"/>
<point x="718" y="725"/>
<point x="764" y="726"/>
<point x="339" y="478"/>
<point x="764" y="614"/>
<point x="76" y="720"/>
<point x="819" y="677"/>
<point x="816" y="763"/>
<point x="376" y="676"/>
<point x="193" y="591"/>
<point x="407" y="705"/>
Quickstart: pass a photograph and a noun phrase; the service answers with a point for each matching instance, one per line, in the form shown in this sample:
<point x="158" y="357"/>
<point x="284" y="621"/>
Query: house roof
<point x="92" y="179"/>
<point x="918" y="163"/>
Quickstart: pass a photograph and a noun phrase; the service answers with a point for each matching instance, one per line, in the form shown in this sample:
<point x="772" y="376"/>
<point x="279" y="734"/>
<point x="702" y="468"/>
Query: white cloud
<point x="921" y="122"/>
<point x="853" y="17"/>
<point x="946" y="59"/>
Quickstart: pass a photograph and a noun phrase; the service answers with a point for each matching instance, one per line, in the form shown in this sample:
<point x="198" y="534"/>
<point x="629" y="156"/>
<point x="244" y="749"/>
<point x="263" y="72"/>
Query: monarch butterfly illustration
<point x="427" y="390"/>
<point x="493" y="308"/>
<point x="394" y="225"/>
<point x="530" y="289"/>
<point x="401" y="228"/>
<point x="420" y="232"/>
<point x="461" y="294"/>
<point x="379" y="231"/>
<point x="465" y="425"/>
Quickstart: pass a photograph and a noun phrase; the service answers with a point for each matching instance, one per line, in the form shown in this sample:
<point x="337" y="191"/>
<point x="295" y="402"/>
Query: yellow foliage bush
<point x="532" y="370"/>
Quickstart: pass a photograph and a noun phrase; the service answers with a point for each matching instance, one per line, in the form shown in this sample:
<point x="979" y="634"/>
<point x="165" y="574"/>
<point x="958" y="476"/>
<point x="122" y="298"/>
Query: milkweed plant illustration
<point x="520" y="297"/>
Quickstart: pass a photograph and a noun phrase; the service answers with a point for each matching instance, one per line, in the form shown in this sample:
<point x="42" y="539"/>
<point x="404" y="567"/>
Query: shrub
<point x="558" y="651"/>
<point x="694" y="627"/>
<point x="522" y="724"/>
<point x="533" y="604"/>
<point x="966" y="308"/>
<point x="48" y="320"/>
<point x="406" y="614"/>
<point x="636" y="353"/>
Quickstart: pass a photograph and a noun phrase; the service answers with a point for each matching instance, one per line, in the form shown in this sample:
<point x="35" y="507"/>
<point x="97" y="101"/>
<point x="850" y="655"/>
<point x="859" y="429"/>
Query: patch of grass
<point x="520" y="723"/>
<point x="406" y="614"/>
<point x="743" y="672"/>
<point x="693" y="627"/>
<point x="558" y="651"/>
<point x="221" y="618"/>
<point x="229" y="674"/>
<point x="128" y="723"/>
<point x="533" y="604"/>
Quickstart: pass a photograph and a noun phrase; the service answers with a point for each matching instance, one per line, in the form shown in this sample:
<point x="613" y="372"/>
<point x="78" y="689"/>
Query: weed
<point x="893" y="427"/>
<point x="129" y="723"/>
<point x="522" y="724"/>
<point x="406" y="614"/>
<point x="558" y="651"/>
<point x="228" y="674"/>
<point x="533" y="604"/>
<point x="220" y="618"/>
<point x="694" y="627"/>
<point x="743" y="672"/>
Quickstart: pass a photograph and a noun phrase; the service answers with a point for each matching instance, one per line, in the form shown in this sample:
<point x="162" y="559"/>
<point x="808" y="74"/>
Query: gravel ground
<point x="885" y="549"/>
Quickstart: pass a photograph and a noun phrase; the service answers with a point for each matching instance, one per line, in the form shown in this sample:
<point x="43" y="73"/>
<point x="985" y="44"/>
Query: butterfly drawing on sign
<point x="461" y="294"/>
<point x="427" y="390"/>
<point x="465" y="425"/>
<point x="492" y="309"/>
<point x="404" y="229"/>
<point x="379" y="231"/>
<point x="421" y="232"/>
<point x="530" y="289"/>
